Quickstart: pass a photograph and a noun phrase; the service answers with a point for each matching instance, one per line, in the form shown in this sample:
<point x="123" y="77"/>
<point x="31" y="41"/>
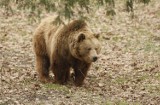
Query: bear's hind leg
<point x="42" y="67"/>
<point x="61" y="74"/>
<point x="62" y="77"/>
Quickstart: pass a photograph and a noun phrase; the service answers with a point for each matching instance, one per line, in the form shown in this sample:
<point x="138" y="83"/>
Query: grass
<point x="57" y="87"/>
<point x="121" y="80"/>
<point x="157" y="76"/>
<point x="122" y="102"/>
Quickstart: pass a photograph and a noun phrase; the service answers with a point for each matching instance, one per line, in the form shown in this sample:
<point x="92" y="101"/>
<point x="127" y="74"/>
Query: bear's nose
<point x="95" y="58"/>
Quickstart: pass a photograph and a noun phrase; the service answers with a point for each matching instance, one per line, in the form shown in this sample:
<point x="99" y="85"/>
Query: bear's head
<point x="86" y="47"/>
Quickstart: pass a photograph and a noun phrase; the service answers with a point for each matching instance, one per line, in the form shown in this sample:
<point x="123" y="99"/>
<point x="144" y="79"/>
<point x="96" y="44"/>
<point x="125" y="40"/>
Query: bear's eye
<point x="88" y="49"/>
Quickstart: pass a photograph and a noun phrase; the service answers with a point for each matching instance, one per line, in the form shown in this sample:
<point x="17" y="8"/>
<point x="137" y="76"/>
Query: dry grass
<point x="128" y="72"/>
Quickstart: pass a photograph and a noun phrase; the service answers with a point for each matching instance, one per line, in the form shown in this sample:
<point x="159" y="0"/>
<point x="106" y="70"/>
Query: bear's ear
<point x="97" y="35"/>
<point x="81" y="37"/>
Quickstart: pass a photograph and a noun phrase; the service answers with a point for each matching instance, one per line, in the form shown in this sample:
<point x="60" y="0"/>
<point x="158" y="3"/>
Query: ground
<point x="128" y="72"/>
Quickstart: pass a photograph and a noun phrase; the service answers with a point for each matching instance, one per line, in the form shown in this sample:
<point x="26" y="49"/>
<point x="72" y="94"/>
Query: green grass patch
<point x="109" y="103"/>
<point x="157" y="13"/>
<point x="153" y="89"/>
<point x="121" y="102"/>
<point x="157" y="76"/>
<point x="142" y="77"/>
<point x="121" y="80"/>
<point x="117" y="38"/>
<point x="55" y="87"/>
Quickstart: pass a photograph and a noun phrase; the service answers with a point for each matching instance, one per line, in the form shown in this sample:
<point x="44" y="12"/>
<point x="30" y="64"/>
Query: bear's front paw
<point x="46" y="80"/>
<point x="78" y="83"/>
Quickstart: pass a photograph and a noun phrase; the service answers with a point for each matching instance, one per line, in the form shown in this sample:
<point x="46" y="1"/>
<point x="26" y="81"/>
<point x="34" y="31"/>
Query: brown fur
<point x="58" y="48"/>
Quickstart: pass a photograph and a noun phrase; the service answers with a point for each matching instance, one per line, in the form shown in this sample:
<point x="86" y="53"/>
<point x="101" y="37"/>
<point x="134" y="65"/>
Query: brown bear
<point x="61" y="47"/>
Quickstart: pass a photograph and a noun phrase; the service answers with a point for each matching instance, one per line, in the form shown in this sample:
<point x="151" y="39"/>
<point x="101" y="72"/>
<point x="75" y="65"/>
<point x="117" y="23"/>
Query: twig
<point x="1" y="78"/>
<point x="81" y="72"/>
